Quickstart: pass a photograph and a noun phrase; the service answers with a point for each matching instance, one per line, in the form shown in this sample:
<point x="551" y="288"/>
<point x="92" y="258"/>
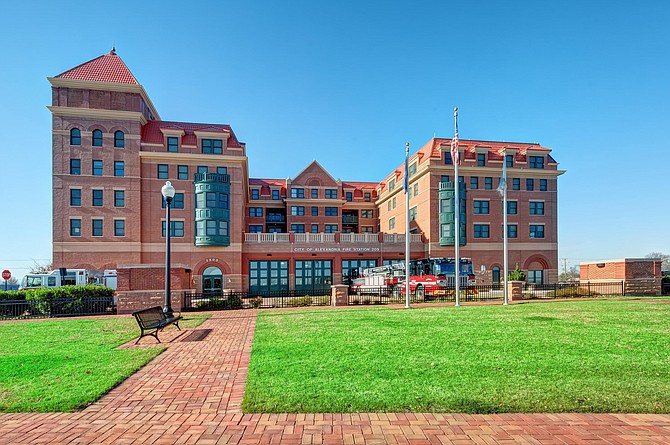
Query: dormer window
<point x="97" y="138"/>
<point x="536" y="162"/>
<point x="481" y="159"/>
<point x="75" y="136"/>
<point x="212" y="146"/>
<point x="173" y="144"/>
<point x="255" y="194"/>
<point x="391" y="185"/>
<point x="509" y="161"/>
<point x="119" y="139"/>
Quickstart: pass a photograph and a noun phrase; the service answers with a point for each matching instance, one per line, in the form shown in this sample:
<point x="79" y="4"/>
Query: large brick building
<point x="112" y="153"/>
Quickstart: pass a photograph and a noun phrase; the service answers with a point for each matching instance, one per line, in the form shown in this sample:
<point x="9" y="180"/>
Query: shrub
<point x="517" y="274"/>
<point x="43" y="298"/>
<point x="12" y="295"/>
<point x="256" y="302"/>
<point x="578" y="291"/>
<point x="300" y="302"/>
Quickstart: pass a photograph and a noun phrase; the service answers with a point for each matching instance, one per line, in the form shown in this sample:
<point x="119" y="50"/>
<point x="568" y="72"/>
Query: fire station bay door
<point x="313" y="276"/>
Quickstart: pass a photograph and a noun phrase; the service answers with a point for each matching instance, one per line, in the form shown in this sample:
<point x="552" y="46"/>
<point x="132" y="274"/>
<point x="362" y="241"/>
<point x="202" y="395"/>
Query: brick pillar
<point x="515" y="290"/>
<point x="339" y="295"/>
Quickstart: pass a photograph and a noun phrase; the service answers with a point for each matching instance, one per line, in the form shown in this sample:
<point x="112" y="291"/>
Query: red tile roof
<point x="267" y="182"/>
<point x="106" y="68"/>
<point x="359" y="185"/>
<point x="151" y="132"/>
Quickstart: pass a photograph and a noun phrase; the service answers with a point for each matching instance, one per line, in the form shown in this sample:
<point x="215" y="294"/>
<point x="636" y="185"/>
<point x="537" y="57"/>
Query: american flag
<point x="454" y="150"/>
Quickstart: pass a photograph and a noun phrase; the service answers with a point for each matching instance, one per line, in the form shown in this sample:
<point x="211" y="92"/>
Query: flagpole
<point x="407" y="234"/>
<point x="505" y="237"/>
<point x="457" y="211"/>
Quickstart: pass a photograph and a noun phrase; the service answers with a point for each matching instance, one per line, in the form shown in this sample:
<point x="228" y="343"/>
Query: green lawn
<point x="581" y="356"/>
<point x="64" y="365"/>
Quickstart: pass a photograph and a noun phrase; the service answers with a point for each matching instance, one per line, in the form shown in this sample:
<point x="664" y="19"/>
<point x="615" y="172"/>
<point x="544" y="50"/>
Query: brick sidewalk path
<point x="192" y="394"/>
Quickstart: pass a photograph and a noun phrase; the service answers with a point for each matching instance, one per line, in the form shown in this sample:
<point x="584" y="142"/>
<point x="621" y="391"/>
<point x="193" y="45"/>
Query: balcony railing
<point x="314" y="237"/>
<point x="400" y="238"/>
<point x="349" y="219"/>
<point x="275" y="218"/>
<point x="266" y="238"/>
<point x="211" y="177"/>
<point x="349" y="238"/>
<point x="359" y="238"/>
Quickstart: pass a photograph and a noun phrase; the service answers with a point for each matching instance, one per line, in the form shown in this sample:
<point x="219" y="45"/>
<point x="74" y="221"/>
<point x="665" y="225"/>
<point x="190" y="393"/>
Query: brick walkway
<point x="192" y="394"/>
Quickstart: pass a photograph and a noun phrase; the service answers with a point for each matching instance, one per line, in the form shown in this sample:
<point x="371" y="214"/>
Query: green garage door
<point x="313" y="276"/>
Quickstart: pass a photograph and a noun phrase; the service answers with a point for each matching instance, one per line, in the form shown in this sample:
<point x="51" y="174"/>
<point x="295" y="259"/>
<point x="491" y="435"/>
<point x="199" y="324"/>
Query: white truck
<point x="65" y="277"/>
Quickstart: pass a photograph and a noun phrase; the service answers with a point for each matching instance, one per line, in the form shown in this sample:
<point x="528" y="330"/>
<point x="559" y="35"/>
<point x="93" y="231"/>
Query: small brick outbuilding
<point x="641" y="276"/>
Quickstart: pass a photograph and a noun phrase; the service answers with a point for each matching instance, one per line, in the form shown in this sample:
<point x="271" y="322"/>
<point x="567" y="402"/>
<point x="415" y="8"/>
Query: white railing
<point x="266" y="237"/>
<point x="359" y="238"/>
<point x="314" y="237"/>
<point x="400" y="238"/>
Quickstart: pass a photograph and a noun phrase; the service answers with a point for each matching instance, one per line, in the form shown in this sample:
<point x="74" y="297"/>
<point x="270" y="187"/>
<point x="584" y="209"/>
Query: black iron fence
<point x="393" y="295"/>
<point x="246" y="300"/>
<point x="57" y="307"/>
<point x="572" y="290"/>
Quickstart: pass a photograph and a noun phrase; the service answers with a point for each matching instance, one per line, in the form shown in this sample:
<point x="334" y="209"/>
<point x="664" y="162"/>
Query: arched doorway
<point x="495" y="275"/>
<point x="212" y="281"/>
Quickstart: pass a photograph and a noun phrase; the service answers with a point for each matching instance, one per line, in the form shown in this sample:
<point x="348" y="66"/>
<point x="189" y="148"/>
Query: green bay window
<point x="212" y="209"/>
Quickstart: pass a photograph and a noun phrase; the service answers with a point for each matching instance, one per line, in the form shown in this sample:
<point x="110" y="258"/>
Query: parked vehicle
<point x="428" y="277"/>
<point x="66" y="277"/>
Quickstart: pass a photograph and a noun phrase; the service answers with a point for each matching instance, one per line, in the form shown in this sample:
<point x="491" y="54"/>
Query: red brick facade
<point x="351" y="221"/>
<point x="623" y="269"/>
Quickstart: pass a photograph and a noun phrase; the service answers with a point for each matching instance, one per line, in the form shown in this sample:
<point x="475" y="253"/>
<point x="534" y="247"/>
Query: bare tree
<point x="665" y="258"/>
<point x="12" y="281"/>
<point x="41" y="267"/>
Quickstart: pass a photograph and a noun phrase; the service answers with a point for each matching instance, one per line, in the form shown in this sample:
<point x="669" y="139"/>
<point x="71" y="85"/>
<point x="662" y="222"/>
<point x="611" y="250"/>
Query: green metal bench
<point x="154" y="319"/>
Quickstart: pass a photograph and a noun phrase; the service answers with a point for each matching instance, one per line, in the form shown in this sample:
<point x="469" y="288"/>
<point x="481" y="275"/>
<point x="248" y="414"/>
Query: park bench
<point x="154" y="319"/>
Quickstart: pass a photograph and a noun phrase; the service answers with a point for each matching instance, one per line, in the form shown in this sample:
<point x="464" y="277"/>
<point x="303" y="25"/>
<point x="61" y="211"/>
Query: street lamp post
<point x="168" y="193"/>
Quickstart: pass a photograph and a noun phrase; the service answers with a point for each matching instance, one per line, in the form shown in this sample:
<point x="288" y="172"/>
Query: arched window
<point x="97" y="138"/>
<point x="75" y="136"/>
<point x="212" y="281"/>
<point x="119" y="139"/>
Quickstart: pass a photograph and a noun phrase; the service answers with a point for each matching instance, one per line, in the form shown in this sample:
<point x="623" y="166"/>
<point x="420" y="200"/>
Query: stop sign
<point x="6" y="274"/>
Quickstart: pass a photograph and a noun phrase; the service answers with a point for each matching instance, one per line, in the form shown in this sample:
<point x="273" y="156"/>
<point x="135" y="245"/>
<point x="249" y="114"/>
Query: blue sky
<point x="349" y="82"/>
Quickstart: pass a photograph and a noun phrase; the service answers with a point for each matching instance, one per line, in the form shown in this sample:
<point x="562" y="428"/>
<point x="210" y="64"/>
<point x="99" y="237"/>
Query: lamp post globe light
<point x="168" y="193"/>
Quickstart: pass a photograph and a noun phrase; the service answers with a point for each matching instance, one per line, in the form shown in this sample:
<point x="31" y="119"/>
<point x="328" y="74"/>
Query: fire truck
<point x="427" y="277"/>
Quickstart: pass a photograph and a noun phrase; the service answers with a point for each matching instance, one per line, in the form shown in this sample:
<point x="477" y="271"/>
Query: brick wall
<point x="152" y="277"/>
<point x="624" y="269"/>
<point x="130" y="301"/>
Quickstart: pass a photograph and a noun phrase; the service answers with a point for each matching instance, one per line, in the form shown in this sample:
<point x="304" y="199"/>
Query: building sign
<point x="336" y="249"/>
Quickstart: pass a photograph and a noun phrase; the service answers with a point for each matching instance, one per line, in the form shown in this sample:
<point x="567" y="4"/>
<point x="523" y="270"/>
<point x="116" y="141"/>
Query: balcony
<point x="349" y="219"/>
<point x="266" y="237"/>
<point x="400" y="238"/>
<point x="211" y="177"/>
<point x="330" y="238"/>
<point x="275" y="218"/>
<point x="359" y="238"/>
<point x="314" y="237"/>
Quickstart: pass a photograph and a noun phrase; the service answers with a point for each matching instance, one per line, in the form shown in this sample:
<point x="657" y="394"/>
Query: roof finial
<point x="113" y="51"/>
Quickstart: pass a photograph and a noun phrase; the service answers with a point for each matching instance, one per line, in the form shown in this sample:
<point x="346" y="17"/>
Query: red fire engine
<point x="428" y="277"/>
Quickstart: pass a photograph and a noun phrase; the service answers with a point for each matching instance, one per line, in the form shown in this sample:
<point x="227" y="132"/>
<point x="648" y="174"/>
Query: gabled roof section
<point x="151" y="132"/>
<point x="314" y="171"/>
<point x="106" y="68"/>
